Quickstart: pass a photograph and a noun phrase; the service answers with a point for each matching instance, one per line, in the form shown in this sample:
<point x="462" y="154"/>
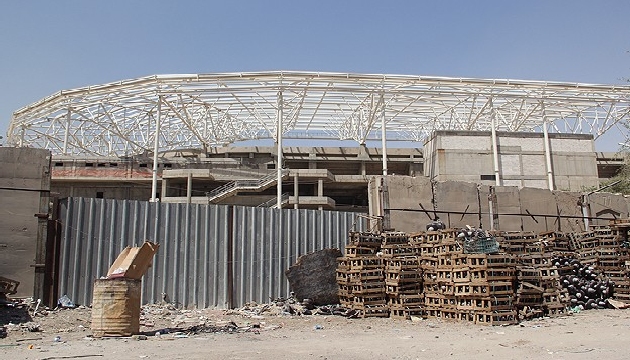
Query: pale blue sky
<point x="47" y="46"/>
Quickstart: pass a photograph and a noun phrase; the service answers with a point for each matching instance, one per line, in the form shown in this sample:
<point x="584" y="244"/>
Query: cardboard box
<point x="133" y="262"/>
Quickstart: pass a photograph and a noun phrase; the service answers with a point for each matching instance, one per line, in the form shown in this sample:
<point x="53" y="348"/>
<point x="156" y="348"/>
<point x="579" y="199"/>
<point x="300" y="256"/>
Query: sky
<point x="47" y="46"/>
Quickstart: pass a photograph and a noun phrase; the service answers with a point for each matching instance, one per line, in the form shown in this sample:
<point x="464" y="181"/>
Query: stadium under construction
<point x="313" y="140"/>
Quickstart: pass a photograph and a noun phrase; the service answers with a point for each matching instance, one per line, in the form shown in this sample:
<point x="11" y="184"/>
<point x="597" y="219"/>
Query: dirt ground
<point x="66" y="334"/>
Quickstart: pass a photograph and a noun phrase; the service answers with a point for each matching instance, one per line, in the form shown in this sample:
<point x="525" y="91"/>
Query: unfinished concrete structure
<point x="568" y="162"/>
<point x="174" y="132"/>
<point x="24" y="204"/>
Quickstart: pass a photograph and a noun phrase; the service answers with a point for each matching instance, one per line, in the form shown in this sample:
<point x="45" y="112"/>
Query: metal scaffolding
<point x="204" y="110"/>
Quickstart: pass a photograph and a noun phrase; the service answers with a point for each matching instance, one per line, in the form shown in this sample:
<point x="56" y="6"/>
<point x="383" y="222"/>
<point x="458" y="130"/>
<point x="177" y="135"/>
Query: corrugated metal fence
<point x="210" y="255"/>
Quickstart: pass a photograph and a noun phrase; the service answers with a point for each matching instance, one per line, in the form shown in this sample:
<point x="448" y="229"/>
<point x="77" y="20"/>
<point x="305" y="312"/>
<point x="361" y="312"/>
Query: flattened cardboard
<point x="133" y="262"/>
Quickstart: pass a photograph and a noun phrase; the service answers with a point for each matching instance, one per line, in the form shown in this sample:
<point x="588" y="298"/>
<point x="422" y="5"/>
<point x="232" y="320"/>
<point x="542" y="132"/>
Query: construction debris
<point x="313" y="277"/>
<point x="133" y="262"/>
<point x="7" y="287"/>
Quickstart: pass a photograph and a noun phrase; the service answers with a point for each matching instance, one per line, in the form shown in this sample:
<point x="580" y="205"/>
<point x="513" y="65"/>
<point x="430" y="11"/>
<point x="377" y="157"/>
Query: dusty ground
<point x="65" y="334"/>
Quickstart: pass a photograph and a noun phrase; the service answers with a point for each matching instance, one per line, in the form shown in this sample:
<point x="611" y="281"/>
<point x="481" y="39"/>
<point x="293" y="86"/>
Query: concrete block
<point x="539" y="210"/>
<point x="568" y="205"/>
<point x="462" y="199"/>
<point x="607" y="206"/>
<point x="409" y="221"/>
<point x="508" y="201"/>
<point x="407" y="193"/>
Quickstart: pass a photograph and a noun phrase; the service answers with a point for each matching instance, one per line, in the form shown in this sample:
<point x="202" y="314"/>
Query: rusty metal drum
<point x="116" y="307"/>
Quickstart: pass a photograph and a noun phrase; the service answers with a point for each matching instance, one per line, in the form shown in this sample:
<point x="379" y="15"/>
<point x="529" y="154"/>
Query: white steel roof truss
<point x="218" y="109"/>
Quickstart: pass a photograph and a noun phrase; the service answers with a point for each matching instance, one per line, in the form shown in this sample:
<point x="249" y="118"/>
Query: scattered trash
<point x="318" y="327"/>
<point x="66" y="303"/>
<point x="436" y="225"/>
<point x="39" y="301"/>
<point x="7" y="287"/>
<point x="31" y="327"/>
<point x="133" y="262"/>
<point x="57" y="338"/>
<point x="618" y="304"/>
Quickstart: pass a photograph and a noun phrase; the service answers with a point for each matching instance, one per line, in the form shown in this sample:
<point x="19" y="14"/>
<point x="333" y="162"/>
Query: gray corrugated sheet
<point x="198" y="243"/>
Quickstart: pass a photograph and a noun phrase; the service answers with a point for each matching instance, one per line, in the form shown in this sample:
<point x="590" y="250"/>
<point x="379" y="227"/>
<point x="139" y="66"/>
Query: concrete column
<point x="320" y="187"/>
<point x="383" y="138"/>
<point x="585" y="211"/>
<point x="495" y="146"/>
<point x="156" y="148"/>
<point x="189" y="188"/>
<point x="547" y="149"/>
<point x="363" y="172"/>
<point x="165" y="185"/>
<point x="279" y="142"/>
<point x="296" y="191"/>
<point x="67" y="132"/>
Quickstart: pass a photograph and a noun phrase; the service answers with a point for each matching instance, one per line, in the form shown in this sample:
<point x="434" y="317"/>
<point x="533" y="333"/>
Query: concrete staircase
<point x="231" y="188"/>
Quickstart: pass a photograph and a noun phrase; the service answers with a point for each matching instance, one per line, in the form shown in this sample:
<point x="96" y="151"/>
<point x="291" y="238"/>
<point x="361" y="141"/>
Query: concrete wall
<point x="21" y="170"/>
<point x="119" y="190"/>
<point x="412" y="200"/>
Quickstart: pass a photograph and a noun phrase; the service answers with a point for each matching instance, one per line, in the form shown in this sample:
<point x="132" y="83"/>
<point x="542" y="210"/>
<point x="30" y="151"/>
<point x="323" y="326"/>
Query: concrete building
<point x="315" y="177"/>
<point x="334" y="177"/>
<point x="569" y="162"/>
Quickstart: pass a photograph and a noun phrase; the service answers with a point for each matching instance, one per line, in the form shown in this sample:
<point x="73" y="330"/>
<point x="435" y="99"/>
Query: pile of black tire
<point x="587" y="289"/>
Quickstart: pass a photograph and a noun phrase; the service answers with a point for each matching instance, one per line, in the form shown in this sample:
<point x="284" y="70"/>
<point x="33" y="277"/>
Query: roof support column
<point x="383" y="137"/>
<point x="495" y="146"/>
<point x="296" y="191"/>
<point x="67" y="132"/>
<point x="547" y="148"/>
<point x="156" y="147"/>
<point x="188" y="188"/>
<point x="279" y="142"/>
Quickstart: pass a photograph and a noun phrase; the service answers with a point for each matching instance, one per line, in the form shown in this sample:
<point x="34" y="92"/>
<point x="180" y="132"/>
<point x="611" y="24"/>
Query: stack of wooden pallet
<point x="614" y="258"/>
<point x="467" y="287"/>
<point x="403" y="281"/>
<point x="539" y="292"/>
<point x="520" y="242"/>
<point x="360" y="275"/>
<point x="498" y="306"/>
<point x="555" y="241"/>
<point x="585" y="245"/>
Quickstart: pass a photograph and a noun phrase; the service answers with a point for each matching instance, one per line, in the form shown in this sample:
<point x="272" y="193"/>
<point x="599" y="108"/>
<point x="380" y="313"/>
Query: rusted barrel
<point x="116" y="307"/>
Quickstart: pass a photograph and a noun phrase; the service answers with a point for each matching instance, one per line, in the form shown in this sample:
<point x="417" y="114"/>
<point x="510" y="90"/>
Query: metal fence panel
<point x="210" y="255"/>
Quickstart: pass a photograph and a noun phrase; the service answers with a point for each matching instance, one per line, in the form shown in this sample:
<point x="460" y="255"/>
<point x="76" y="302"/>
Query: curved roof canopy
<point x="203" y="110"/>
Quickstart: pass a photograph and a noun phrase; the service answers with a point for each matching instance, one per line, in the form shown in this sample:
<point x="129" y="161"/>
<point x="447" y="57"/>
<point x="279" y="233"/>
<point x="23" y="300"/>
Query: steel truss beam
<point x="204" y="110"/>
